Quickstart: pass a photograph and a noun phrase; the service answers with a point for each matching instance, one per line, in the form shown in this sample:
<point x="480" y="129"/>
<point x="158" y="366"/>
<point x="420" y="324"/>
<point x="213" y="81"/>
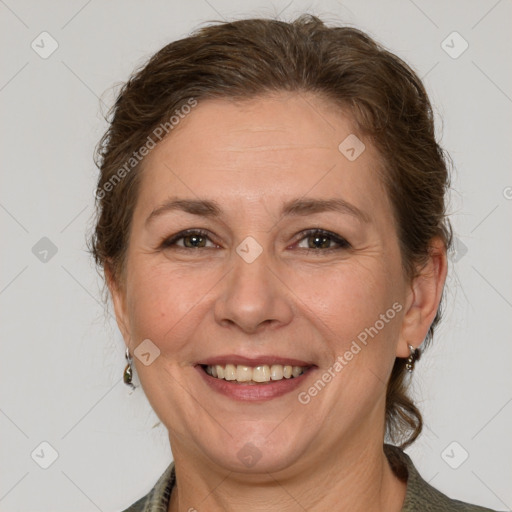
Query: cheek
<point x="357" y="312"/>
<point x="166" y="303"/>
<point x="149" y="303"/>
<point x="345" y="300"/>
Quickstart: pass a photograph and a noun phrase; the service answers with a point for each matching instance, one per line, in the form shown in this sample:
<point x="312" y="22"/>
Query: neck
<point x="356" y="477"/>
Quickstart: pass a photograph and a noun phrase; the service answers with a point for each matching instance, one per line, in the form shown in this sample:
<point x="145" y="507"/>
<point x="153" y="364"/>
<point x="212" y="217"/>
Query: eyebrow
<point x="295" y="207"/>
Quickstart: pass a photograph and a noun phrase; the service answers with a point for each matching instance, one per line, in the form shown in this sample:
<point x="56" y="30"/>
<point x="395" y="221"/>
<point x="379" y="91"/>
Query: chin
<point x="257" y="453"/>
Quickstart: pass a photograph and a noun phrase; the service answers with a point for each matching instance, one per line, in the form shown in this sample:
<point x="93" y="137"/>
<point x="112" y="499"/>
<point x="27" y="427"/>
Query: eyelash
<point x="341" y="242"/>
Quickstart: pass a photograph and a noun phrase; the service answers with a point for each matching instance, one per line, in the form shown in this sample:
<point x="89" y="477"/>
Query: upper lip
<point x="253" y="361"/>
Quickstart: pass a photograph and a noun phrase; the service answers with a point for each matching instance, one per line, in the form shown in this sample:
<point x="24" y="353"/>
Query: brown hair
<point x="248" y="58"/>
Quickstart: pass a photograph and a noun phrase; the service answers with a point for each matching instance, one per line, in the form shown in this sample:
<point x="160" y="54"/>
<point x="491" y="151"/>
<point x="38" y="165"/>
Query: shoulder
<point x="157" y="499"/>
<point x="420" y="495"/>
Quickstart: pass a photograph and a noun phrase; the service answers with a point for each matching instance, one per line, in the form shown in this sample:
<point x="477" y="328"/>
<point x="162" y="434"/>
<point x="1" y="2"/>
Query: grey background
<point x="62" y="355"/>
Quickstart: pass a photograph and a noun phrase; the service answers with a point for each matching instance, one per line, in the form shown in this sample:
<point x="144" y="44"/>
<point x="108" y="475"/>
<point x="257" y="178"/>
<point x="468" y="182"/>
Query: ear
<point x="423" y="299"/>
<point x="119" y="300"/>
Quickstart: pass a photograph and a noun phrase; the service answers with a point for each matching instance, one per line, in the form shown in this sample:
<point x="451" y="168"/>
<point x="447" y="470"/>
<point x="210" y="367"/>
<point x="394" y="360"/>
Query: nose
<point x="253" y="297"/>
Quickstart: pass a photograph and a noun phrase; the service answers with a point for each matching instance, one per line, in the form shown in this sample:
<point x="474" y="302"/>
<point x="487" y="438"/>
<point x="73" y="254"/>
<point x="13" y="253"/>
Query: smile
<point x="254" y="374"/>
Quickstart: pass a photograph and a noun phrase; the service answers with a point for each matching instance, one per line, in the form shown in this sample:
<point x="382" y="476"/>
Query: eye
<point x="189" y="239"/>
<point x="313" y="240"/>
<point x="319" y="240"/>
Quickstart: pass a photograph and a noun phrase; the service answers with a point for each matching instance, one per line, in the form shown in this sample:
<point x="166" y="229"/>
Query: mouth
<point x="245" y="379"/>
<point x="260" y="374"/>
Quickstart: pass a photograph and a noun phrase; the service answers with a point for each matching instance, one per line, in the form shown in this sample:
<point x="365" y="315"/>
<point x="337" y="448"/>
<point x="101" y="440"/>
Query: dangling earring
<point x="128" y="373"/>
<point x="413" y="357"/>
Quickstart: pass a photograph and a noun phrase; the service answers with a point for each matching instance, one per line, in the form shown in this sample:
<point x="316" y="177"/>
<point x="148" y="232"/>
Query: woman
<point x="271" y="224"/>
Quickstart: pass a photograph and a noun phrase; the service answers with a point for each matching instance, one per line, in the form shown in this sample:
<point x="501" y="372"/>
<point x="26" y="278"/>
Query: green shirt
<point x="419" y="497"/>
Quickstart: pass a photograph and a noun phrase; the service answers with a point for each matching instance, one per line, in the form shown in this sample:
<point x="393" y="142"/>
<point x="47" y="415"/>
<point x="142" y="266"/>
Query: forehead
<point x="273" y="123"/>
<point x="278" y="147"/>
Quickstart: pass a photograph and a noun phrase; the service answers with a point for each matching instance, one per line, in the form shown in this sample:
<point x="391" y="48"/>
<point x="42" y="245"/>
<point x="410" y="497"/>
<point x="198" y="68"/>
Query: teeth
<point x="243" y="373"/>
<point x="230" y="372"/>
<point x="263" y="373"/>
<point x="276" y="372"/>
<point x="296" y="371"/>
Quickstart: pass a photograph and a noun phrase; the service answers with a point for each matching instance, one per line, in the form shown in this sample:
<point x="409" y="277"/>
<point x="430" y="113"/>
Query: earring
<point x="128" y="373"/>
<point x="413" y="357"/>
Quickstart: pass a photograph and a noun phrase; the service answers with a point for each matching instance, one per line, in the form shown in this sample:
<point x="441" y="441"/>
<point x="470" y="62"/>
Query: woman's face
<point x="291" y="259"/>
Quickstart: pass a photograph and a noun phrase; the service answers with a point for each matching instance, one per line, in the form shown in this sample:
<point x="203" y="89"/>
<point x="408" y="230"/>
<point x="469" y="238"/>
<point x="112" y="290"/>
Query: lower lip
<point x="253" y="392"/>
